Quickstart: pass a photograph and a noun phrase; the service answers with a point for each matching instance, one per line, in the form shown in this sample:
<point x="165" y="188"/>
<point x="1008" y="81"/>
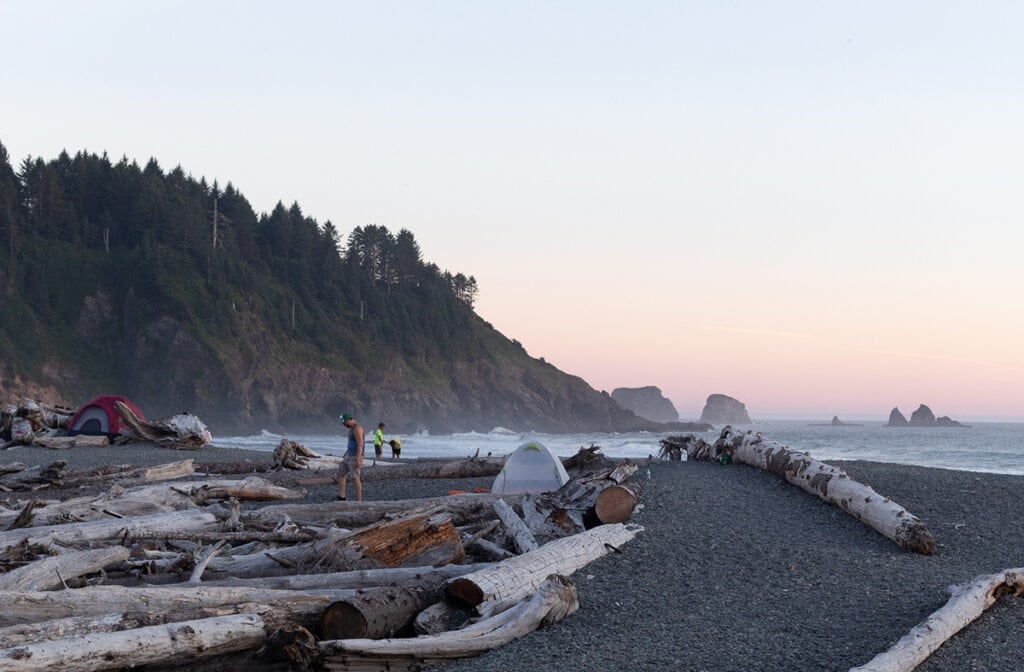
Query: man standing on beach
<point x="352" y="463"/>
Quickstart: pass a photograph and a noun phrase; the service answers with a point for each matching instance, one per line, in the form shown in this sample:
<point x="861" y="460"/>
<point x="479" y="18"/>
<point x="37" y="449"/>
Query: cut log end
<point x="465" y="590"/>
<point x="614" y="505"/>
<point x="342" y="621"/>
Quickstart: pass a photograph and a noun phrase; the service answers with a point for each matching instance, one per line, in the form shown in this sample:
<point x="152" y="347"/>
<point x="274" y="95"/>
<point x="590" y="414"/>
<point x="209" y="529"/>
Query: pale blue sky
<point x="814" y="207"/>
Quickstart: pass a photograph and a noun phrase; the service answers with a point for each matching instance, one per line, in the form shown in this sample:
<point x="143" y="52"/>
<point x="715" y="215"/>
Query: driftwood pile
<point x="34" y="423"/>
<point x="162" y="568"/>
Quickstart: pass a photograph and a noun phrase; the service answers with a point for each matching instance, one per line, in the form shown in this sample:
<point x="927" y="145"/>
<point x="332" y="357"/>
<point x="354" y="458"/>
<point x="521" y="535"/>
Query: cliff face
<point x="647" y="402"/>
<point x="721" y="409"/>
<point x="261" y="379"/>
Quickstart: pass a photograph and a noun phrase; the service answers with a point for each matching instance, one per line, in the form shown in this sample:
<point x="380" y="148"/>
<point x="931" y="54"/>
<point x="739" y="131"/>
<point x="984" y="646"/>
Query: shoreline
<point x="738" y="570"/>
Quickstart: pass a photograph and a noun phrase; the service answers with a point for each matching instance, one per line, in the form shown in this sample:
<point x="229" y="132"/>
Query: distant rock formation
<point x="836" y="422"/>
<point x="897" y="419"/>
<point x="721" y="409"/>
<point x="922" y="417"/>
<point x="647" y="402"/>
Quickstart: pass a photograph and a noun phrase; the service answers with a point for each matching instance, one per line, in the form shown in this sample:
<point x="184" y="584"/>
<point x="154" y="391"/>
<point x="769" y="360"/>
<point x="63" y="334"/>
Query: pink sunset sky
<point x="812" y="207"/>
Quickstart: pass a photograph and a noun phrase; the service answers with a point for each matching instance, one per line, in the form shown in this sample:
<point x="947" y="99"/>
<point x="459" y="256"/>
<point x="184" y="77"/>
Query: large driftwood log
<point x="360" y="578"/>
<point x="106" y="530"/>
<point x="823" y="480"/>
<point x="553" y="600"/>
<point x="967" y="602"/>
<point x="183" y="431"/>
<point x="54" y="570"/>
<point x="130" y="648"/>
<point x="321" y="470"/>
<point x="34" y="606"/>
<point x="376" y="614"/>
<point x="503" y="584"/>
<point x="464" y="508"/>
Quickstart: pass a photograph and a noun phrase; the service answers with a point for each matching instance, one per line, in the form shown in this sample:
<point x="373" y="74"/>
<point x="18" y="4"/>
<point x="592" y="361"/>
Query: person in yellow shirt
<point x="378" y="443"/>
<point x="396" y="448"/>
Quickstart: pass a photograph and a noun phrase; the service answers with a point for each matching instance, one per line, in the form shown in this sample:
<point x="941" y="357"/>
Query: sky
<point x="813" y="207"/>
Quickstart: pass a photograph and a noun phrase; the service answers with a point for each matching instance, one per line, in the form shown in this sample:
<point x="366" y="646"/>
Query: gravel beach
<point x="738" y="570"/>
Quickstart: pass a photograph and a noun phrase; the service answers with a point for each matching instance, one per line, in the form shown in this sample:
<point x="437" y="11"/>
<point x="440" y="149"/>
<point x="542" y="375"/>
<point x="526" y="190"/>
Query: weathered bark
<point x="183" y="431"/>
<point x="107" y="530"/>
<point x="463" y="508"/>
<point x="252" y="488"/>
<point x="65" y="442"/>
<point x="12" y="468"/>
<point x="321" y="470"/>
<point x="498" y="587"/>
<point x="360" y="578"/>
<point x="376" y="614"/>
<point x="522" y="537"/>
<point x="571" y="509"/>
<point x="553" y="600"/>
<point x="304" y="610"/>
<point x="967" y="602"/>
<point x="116" y="650"/>
<point x="53" y="571"/>
<point x="438" y="618"/>
<point x="35" y="606"/>
<point x="411" y="541"/>
<point x="823" y="480"/>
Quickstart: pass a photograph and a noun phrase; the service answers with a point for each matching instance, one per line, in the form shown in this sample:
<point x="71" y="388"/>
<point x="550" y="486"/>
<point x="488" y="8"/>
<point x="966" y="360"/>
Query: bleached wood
<point x="106" y="530"/>
<point x="500" y="586"/>
<point x="65" y="442"/>
<point x="828" y="483"/>
<point x="180" y="642"/>
<point x="52" y="571"/>
<point x="967" y="602"/>
<point x="462" y="508"/>
<point x="522" y="537"/>
<point x="33" y="606"/>
<point x="364" y="578"/>
<point x="554" y="599"/>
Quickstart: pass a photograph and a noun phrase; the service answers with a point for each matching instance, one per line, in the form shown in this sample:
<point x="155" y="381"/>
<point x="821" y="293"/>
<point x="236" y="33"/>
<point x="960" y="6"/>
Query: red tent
<point x="99" y="417"/>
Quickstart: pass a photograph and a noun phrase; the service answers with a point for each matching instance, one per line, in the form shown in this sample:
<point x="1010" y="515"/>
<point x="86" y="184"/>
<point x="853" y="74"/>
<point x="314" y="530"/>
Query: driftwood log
<point x="823" y="480"/>
<point x="553" y="600"/>
<point x="376" y="614"/>
<point x="503" y="584"/>
<point x="967" y="602"/>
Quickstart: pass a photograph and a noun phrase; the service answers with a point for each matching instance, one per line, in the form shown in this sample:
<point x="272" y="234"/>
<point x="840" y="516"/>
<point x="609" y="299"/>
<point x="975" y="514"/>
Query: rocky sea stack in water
<point x="922" y="417"/>
<point x="647" y="402"/>
<point x="721" y="409"/>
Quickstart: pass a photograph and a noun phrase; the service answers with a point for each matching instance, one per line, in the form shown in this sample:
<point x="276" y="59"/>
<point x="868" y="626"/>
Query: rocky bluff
<point x="721" y="409"/>
<point x="922" y="417"/>
<point x="647" y="402"/>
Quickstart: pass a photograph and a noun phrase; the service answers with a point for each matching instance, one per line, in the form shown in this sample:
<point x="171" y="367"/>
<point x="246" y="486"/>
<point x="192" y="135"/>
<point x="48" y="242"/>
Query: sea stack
<point x="647" y="402"/>
<point x="896" y="419"/>
<point x="721" y="409"/>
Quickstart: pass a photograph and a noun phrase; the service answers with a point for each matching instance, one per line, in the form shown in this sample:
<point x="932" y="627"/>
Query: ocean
<point x="995" y="447"/>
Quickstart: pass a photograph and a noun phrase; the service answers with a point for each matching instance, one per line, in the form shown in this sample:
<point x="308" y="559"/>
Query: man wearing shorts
<point x="352" y="463"/>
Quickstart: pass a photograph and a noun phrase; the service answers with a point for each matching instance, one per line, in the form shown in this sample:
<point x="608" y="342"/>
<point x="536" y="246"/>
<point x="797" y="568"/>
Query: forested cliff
<point x="128" y="279"/>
